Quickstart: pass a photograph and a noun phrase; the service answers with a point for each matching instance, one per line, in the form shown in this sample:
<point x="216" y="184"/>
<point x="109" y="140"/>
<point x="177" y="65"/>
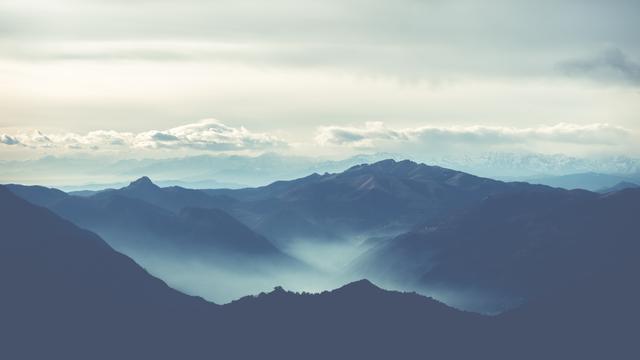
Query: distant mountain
<point x="518" y="245"/>
<point x="619" y="186"/>
<point x="172" y="198"/>
<point x="128" y="219"/>
<point x="587" y="181"/>
<point x="523" y="166"/>
<point x="201" y="171"/>
<point x="386" y="197"/>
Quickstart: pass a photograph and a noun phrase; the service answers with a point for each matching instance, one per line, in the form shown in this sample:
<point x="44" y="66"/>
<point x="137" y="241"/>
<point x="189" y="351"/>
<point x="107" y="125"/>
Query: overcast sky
<point x="166" y="77"/>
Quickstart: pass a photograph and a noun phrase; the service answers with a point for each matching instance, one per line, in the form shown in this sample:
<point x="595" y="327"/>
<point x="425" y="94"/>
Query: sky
<point x="160" y="78"/>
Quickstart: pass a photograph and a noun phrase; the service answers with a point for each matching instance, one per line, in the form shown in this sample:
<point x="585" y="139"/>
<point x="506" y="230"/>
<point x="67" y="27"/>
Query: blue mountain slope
<point x="515" y="245"/>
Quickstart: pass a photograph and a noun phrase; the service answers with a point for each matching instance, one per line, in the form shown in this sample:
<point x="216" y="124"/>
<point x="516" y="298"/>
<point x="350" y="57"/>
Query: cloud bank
<point x="208" y="135"/>
<point x="374" y="134"/>
<point x="213" y="136"/>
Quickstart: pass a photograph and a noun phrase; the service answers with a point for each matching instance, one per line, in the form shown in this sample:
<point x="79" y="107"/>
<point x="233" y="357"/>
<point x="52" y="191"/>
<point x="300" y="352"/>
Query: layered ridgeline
<point x="321" y="220"/>
<point x="195" y="249"/>
<point x="512" y="247"/>
<point x="387" y="197"/>
<point x="145" y="216"/>
<point x="384" y="198"/>
<point x="67" y="294"/>
<point x="476" y="243"/>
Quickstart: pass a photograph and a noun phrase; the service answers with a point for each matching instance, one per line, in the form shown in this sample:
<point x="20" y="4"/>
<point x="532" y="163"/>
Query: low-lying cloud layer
<point x="208" y="134"/>
<point x="212" y="136"/>
<point x="374" y="133"/>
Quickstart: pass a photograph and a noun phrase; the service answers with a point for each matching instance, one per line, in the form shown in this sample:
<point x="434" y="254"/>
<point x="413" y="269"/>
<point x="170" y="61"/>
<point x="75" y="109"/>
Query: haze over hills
<point x="59" y="280"/>
<point x="127" y="220"/>
<point x="192" y="248"/>
<point x="69" y="293"/>
<point x="512" y="247"/>
<point x="374" y="220"/>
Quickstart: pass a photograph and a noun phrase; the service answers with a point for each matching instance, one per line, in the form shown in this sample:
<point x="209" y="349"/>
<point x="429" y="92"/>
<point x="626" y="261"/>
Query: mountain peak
<point x="143" y="182"/>
<point x="360" y="285"/>
<point x="387" y="165"/>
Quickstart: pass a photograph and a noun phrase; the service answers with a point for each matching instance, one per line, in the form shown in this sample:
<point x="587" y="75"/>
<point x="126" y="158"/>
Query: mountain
<point x="619" y="186"/>
<point x="594" y="317"/>
<point x="525" y="166"/>
<point x="588" y="181"/>
<point x="128" y="222"/>
<point x="67" y="294"/>
<point x="39" y="195"/>
<point x="516" y="246"/>
<point x="201" y="171"/>
<point x="359" y="320"/>
<point x="386" y="197"/>
<point x="172" y="198"/>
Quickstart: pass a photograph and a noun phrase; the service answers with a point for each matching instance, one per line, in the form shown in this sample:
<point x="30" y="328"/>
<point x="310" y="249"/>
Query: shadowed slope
<point x="66" y="292"/>
<point x="518" y="245"/>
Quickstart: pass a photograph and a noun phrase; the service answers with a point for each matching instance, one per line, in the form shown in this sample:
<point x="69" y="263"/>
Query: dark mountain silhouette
<point x="515" y="245"/>
<point x="384" y="197"/>
<point x="358" y="320"/>
<point x="67" y="294"/>
<point x="593" y="317"/>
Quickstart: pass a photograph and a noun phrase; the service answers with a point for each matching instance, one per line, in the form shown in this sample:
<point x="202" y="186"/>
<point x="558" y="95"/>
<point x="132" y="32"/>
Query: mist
<point x="224" y="278"/>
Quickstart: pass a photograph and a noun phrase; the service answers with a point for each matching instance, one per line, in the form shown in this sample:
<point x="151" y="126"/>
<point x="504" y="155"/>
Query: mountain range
<point x="236" y="171"/>
<point x="518" y="246"/>
<point x="386" y="197"/>
<point x="67" y="294"/>
<point x="477" y="243"/>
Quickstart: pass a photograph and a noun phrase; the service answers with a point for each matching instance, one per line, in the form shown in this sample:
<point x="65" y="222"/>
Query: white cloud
<point x="208" y="135"/>
<point x="376" y="133"/>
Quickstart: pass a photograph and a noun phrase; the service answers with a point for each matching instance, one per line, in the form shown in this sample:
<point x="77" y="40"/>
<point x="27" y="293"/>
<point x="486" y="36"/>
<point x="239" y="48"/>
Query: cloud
<point x="612" y="65"/>
<point x="8" y="140"/>
<point x="404" y="38"/>
<point x="376" y="133"/>
<point x="208" y="134"/>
